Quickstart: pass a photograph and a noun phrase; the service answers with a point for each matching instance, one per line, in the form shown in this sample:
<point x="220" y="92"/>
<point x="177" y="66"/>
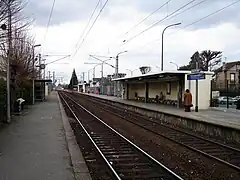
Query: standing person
<point x="97" y="92"/>
<point x="187" y="100"/>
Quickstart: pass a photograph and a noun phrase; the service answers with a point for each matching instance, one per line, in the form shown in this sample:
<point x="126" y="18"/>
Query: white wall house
<point x="204" y="90"/>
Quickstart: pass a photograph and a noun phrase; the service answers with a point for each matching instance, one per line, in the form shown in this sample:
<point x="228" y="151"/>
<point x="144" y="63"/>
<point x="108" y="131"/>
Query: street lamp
<point x="96" y="64"/>
<point x="176" y="24"/>
<point x="131" y="71"/>
<point x="116" y="66"/>
<point x="174" y="64"/>
<point x="116" y="72"/>
<point x="33" y="74"/>
<point x="102" y="63"/>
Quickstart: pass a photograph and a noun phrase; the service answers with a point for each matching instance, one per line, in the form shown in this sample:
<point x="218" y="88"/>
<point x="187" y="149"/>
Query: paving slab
<point x="34" y="145"/>
<point x="222" y="117"/>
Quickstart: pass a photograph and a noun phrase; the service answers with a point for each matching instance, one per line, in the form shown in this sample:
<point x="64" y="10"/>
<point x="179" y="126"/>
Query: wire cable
<point x="201" y="19"/>
<point x="90" y="27"/>
<point x="58" y="60"/>
<point x="89" y="20"/>
<point x="49" y="20"/>
<point x="154" y="24"/>
<point x="144" y="19"/>
<point x="195" y="5"/>
<point x="205" y="17"/>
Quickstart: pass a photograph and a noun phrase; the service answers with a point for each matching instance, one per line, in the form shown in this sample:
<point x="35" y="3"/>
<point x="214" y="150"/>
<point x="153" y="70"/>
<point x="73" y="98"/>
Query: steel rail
<point x="100" y="152"/>
<point x="187" y="146"/>
<point x="127" y="140"/>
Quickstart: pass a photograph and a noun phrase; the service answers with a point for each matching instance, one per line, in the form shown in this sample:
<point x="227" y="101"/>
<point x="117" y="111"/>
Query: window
<point x="169" y="88"/>
<point x="232" y="77"/>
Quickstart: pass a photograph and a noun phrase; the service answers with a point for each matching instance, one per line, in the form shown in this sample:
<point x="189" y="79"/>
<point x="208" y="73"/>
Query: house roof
<point x="228" y="66"/>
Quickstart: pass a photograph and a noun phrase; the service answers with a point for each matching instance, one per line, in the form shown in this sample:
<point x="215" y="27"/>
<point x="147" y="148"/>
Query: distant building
<point x="103" y="85"/>
<point x="228" y="76"/>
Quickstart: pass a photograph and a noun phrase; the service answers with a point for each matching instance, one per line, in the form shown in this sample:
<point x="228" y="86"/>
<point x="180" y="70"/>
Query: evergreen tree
<point x="73" y="81"/>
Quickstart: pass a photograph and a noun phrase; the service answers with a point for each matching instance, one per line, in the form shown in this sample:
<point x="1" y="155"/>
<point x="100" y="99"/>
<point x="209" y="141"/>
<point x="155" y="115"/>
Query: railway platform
<point x="40" y="144"/>
<point x="223" y="124"/>
<point x="228" y="118"/>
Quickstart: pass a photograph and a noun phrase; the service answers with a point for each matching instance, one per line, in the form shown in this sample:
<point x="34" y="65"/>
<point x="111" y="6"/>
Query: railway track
<point x="223" y="153"/>
<point x="123" y="158"/>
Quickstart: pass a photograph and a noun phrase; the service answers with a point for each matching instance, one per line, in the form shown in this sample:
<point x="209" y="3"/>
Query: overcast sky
<point x="117" y="23"/>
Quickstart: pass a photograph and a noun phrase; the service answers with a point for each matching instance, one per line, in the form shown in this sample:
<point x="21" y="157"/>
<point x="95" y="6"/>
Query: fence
<point x="24" y="92"/>
<point x="224" y="94"/>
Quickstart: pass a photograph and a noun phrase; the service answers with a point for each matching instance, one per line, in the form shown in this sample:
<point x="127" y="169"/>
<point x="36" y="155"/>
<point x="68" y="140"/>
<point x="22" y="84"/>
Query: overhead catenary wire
<point x="58" y="60"/>
<point x="104" y="5"/>
<point x="193" y="6"/>
<point x="49" y="20"/>
<point x="190" y="24"/>
<point x="145" y="18"/>
<point x="205" y="17"/>
<point x="89" y="20"/>
<point x="156" y="23"/>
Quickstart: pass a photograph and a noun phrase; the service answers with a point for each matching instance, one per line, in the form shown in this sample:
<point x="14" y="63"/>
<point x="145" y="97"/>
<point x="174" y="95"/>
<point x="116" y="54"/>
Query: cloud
<point x="188" y="15"/>
<point x="64" y="11"/>
<point x="69" y="19"/>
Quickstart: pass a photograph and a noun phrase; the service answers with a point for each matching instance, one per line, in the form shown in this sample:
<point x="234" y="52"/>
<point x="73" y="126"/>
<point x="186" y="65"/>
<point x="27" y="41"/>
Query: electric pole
<point x="53" y="78"/>
<point x="49" y="74"/>
<point x="8" y="64"/>
<point x="83" y="76"/>
<point x="39" y="64"/>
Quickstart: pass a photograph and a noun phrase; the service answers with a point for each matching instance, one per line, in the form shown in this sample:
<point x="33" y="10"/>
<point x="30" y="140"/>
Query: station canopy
<point x="163" y="75"/>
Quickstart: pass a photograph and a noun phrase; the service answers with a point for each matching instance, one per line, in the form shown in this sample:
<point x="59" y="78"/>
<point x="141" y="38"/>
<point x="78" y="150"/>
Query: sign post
<point x="196" y="75"/>
<point x="196" y="107"/>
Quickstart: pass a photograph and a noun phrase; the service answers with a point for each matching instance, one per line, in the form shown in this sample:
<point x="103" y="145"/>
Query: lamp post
<point x="176" y="24"/>
<point x="102" y="63"/>
<point x="174" y="64"/>
<point x="96" y="64"/>
<point x="116" y="72"/>
<point x="131" y="71"/>
<point x="33" y="74"/>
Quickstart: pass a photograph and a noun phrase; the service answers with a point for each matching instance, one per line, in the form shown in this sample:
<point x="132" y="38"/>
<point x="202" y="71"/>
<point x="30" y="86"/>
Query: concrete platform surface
<point x="35" y="145"/>
<point x="222" y="117"/>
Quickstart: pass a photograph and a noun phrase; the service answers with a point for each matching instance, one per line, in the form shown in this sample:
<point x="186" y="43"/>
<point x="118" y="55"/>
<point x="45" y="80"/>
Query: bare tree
<point x="21" y="50"/>
<point x="16" y="46"/>
<point x="207" y="60"/>
<point x="210" y="59"/>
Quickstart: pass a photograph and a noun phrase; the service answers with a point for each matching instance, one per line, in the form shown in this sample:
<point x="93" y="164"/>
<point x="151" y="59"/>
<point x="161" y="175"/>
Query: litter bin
<point x="238" y="104"/>
<point x="19" y="104"/>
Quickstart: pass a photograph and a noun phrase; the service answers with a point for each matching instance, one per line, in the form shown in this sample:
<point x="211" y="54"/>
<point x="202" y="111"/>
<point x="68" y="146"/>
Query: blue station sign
<point x="196" y="76"/>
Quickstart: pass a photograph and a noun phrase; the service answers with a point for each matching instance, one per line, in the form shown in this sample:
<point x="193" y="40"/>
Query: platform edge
<point x="80" y="168"/>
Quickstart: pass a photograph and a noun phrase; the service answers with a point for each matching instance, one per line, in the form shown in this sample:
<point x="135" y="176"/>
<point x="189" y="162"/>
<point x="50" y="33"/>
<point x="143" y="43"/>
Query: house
<point x="228" y="76"/>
